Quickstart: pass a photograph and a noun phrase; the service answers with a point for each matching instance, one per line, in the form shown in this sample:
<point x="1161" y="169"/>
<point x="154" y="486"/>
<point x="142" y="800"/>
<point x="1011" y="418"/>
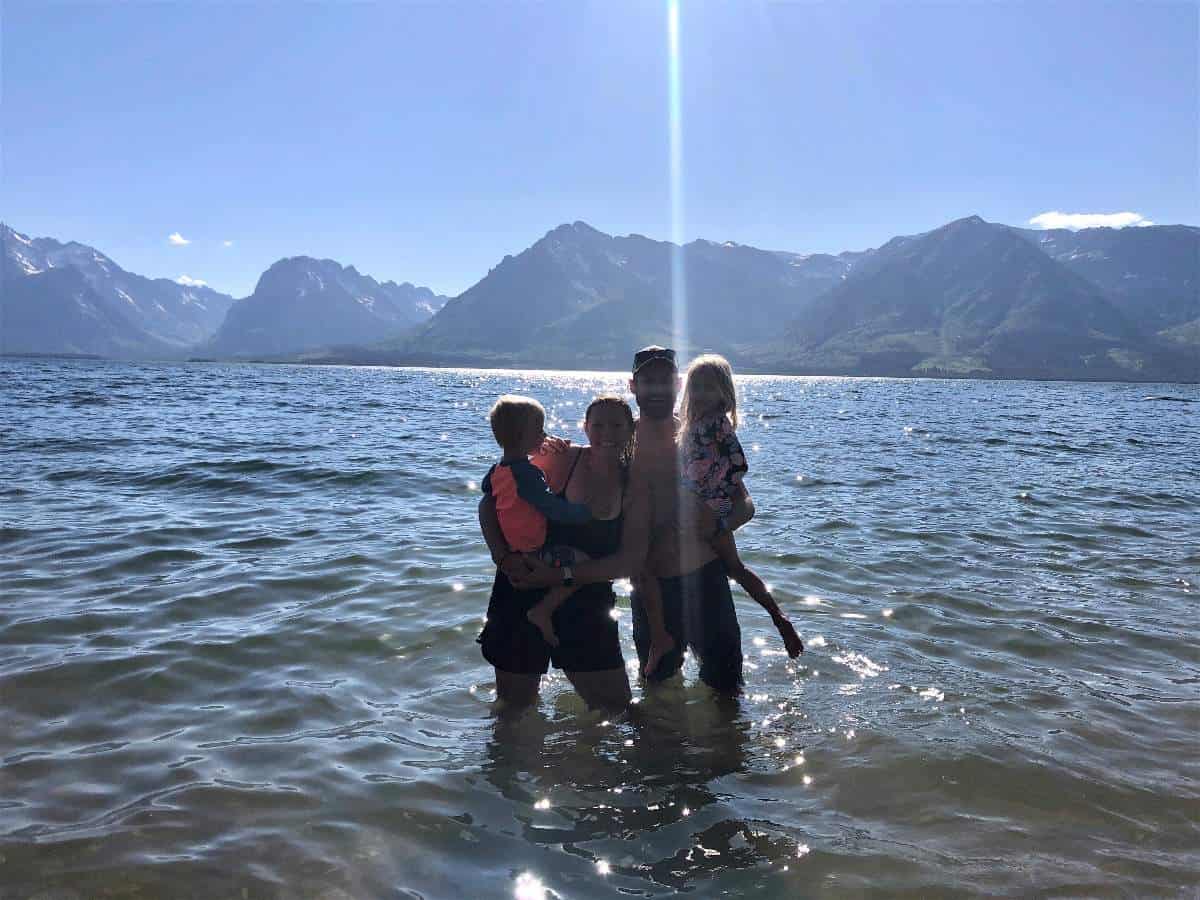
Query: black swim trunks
<point x="589" y="640"/>
<point x="698" y="612"/>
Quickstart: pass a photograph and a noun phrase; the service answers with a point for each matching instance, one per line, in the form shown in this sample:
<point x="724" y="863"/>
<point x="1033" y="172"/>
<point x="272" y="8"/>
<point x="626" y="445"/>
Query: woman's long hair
<point x="713" y="372"/>
<point x="626" y="455"/>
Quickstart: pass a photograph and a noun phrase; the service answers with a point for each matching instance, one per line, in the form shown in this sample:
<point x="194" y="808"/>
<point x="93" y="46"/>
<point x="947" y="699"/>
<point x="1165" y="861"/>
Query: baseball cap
<point x="651" y="354"/>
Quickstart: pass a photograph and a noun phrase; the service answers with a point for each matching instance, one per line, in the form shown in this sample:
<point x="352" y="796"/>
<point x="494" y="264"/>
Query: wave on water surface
<point x="237" y="648"/>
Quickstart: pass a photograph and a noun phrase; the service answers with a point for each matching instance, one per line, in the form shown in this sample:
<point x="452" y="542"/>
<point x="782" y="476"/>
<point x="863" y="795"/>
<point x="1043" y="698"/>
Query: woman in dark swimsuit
<point x="589" y="649"/>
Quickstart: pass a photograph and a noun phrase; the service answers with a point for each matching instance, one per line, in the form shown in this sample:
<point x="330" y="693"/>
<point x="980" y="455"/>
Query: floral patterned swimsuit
<point x="712" y="462"/>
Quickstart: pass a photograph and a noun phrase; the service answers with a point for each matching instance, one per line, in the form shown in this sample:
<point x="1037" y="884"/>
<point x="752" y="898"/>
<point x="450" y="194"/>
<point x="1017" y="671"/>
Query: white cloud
<point x="190" y="282"/>
<point x="226" y="243"/>
<point x="1076" y="221"/>
<point x="178" y="239"/>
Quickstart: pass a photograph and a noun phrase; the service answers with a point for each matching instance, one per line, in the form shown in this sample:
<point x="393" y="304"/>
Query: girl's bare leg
<point x="726" y="548"/>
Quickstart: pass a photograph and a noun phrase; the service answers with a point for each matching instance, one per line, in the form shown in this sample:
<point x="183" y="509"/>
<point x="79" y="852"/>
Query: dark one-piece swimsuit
<point x="587" y="633"/>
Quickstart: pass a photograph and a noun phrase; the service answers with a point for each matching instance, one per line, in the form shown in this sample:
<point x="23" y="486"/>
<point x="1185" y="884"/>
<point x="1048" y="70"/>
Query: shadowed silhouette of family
<point x="657" y="500"/>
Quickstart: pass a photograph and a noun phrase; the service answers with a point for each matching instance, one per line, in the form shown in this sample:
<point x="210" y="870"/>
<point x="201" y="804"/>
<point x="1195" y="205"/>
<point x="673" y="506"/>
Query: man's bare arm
<point x="696" y="517"/>
<point x="628" y="561"/>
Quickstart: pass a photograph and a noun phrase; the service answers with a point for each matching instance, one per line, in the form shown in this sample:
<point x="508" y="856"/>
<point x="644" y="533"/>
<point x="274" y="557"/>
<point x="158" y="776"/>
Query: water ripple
<point x="237" y="647"/>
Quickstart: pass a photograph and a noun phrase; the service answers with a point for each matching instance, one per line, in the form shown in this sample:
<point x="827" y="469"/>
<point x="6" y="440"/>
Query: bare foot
<point x="659" y="647"/>
<point x="542" y="618"/>
<point x="791" y="640"/>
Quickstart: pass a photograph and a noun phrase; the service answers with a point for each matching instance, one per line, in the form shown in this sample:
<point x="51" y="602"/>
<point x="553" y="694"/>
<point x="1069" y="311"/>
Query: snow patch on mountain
<point x="22" y="261"/>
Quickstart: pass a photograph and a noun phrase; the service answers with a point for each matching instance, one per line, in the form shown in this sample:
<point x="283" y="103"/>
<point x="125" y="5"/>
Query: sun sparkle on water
<point x="529" y="887"/>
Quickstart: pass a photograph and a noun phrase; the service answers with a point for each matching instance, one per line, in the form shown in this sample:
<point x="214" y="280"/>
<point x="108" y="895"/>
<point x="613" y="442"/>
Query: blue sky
<point x="423" y="142"/>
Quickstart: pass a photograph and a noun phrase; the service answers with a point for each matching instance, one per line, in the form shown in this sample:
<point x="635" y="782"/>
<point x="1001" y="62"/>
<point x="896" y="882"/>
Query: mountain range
<point x="971" y="298"/>
<point x="975" y="298"/>
<point x="579" y="297"/>
<point x="301" y="303"/>
<point x="71" y="298"/>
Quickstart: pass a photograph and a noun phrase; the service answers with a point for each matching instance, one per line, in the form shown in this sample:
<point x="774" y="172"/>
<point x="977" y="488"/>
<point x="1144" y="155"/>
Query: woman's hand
<point x="553" y="445"/>
<point x="539" y="575"/>
<point x="514" y="565"/>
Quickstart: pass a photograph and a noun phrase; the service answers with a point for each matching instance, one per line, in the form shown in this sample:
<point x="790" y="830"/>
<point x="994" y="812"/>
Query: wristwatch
<point x="568" y="576"/>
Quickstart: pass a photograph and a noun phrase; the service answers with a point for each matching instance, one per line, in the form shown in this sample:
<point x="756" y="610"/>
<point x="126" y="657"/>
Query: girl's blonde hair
<point x="714" y="372"/>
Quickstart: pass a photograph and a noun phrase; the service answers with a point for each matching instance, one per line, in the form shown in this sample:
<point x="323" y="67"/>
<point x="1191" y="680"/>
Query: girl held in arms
<point x="712" y="466"/>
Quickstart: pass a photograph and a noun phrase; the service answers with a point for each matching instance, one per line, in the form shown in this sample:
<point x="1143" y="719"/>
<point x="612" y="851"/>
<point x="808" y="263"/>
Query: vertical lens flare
<point x="679" y="323"/>
<point x="675" y="114"/>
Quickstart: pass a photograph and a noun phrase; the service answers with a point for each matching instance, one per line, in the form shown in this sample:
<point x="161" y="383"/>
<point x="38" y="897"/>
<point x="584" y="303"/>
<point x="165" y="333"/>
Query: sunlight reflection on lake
<point x="237" y="648"/>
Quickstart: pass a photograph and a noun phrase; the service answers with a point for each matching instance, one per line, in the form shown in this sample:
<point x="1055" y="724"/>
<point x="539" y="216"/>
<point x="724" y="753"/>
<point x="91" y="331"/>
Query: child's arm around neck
<point x="533" y="489"/>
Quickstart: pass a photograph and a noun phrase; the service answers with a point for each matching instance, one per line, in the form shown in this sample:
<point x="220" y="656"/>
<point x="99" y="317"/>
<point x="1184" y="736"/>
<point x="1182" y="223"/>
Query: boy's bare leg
<point x="726" y="548"/>
<point x="542" y="614"/>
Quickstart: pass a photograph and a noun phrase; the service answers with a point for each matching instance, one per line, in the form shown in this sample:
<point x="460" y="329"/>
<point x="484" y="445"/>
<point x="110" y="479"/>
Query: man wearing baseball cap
<point x="669" y="526"/>
<point x="651" y="354"/>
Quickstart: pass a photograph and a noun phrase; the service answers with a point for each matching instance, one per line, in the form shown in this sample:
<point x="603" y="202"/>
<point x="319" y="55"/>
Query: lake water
<point x="237" y="648"/>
